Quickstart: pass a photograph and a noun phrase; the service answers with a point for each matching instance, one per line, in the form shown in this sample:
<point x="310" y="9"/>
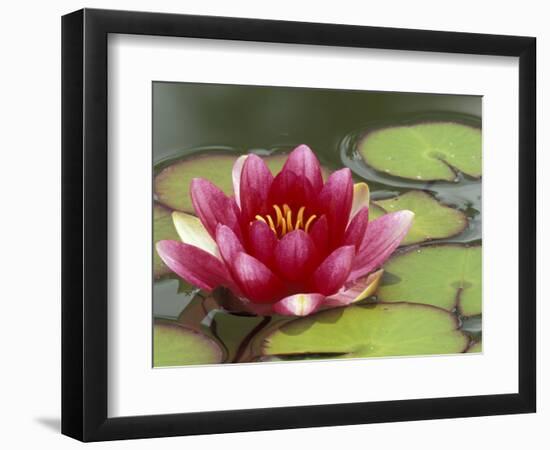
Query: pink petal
<point x="256" y="180"/>
<point x="383" y="236"/>
<point x="299" y="304"/>
<point x="213" y="206"/>
<point x="236" y="176"/>
<point x="355" y="232"/>
<point x="303" y="163"/>
<point x="228" y="244"/>
<point x="194" y="265"/>
<point x="333" y="272"/>
<point x="296" y="256"/>
<point x="262" y="242"/>
<point x="257" y="281"/>
<point x="335" y="200"/>
<point x="319" y="234"/>
<point x="288" y="188"/>
<point x="361" y="289"/>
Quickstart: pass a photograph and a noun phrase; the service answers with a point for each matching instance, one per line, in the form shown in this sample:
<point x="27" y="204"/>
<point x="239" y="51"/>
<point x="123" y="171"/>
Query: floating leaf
<point x="446" y="276"/>
<point x="426" y="151"/>
<point x="475" y="348"/>
<point x="174" y="345"/>
<point x="172" y="182"/>
<point x="368" y="331"/>
<point x="432" y="220"/>
<point x="233" y="330"/>
<point x="375" y="211"/>
<point x="163" y="228"/>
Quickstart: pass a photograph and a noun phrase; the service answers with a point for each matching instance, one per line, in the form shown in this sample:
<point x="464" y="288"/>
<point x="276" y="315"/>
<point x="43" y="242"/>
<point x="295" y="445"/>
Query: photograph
<point x="299" y="224"/>
<point x="267" y="225"/>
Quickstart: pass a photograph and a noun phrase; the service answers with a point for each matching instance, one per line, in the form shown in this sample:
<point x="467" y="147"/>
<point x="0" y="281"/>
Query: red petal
<point x="258" y="283"/>
<point x="299" y="304"/>
<point x="256" y="180"/>
<point x="333" y="272"/>
<point x="262" y="242"/>
<point x="383" y="236"/>
<point x="355" y="232"/>
<point x="213" y="206"/>
<point x="288" y="188"/>
<point x="335" y="200"/>
<point x="303" y="163"/>
<point x="296" y="256"/>
<point x="194" y="265"/>
<point x="319" y="234"/>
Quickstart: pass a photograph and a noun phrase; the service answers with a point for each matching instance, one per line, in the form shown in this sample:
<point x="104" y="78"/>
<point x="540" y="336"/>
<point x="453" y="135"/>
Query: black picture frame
<point x="84" y="224"/>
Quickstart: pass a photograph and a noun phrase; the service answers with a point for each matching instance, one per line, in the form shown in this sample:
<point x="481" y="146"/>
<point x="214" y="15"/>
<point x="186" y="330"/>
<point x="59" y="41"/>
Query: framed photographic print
<point x="276" y="224"/>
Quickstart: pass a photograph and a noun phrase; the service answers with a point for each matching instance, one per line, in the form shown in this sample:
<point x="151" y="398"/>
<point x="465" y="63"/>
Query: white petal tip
<point x="299" y="305"/>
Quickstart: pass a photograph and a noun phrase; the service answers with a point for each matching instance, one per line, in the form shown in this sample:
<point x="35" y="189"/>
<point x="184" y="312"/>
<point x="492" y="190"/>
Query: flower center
<point x="284" y="220"/>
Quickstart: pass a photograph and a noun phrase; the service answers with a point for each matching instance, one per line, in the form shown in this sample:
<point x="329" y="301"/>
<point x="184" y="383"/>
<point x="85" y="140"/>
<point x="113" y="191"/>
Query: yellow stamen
<point x="289" y="220"/>
<point x="271" y="224"/>
<point x="283" y="227"/>
<point x="309" y="222"/>
<point x="279" y="214"/>
<point x="281" y="223"/>
<point x="300" y="218"/>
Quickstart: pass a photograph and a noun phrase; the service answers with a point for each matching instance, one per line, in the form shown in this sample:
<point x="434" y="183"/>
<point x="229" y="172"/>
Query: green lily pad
<point x="163" y="228"/>
<point x="375" y="211"/>
<point x="446" y="276"/>
<point x="233" y="331"/>
<point x="172" y="183"/>
<point x="475" y="348"/>
<point x="368" y="331"/>
<point x="426" y="151"/>
<point x="174" y="345"/>
<point x="432" y="220"/>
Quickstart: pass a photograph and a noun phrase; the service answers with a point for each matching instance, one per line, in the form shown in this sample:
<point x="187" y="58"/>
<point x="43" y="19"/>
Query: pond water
<point x="202" y="119"/>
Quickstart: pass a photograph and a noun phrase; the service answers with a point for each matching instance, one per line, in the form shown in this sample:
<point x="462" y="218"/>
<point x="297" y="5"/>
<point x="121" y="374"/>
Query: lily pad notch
<point x="428" y="151"/>
<point x="447" y="276"/>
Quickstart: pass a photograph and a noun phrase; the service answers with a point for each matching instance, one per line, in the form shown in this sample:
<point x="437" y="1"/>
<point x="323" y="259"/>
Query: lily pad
<point x="234" y="330"/>
<point x="432" y="220"/>
<point x="446" y="276"/>
<point x="425" y="151"/>
<point x="174" y="345"/>
<point x="163" y="228"/>
<point x="475" y="348"/>
<point x="171" y="184"/>
<point x="368" y="331"/>
<point x="375" y="211"/>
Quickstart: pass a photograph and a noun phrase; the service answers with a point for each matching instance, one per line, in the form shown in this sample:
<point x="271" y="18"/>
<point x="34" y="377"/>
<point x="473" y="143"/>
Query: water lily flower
<point x="289" y="244"/>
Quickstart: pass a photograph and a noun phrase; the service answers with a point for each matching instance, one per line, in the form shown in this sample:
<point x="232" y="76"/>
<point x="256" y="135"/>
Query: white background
<point x="135" y="389"/>
<point x="30" y="180"/>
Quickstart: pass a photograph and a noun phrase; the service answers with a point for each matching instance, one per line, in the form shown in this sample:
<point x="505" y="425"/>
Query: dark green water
<point x="189" y="118"/>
